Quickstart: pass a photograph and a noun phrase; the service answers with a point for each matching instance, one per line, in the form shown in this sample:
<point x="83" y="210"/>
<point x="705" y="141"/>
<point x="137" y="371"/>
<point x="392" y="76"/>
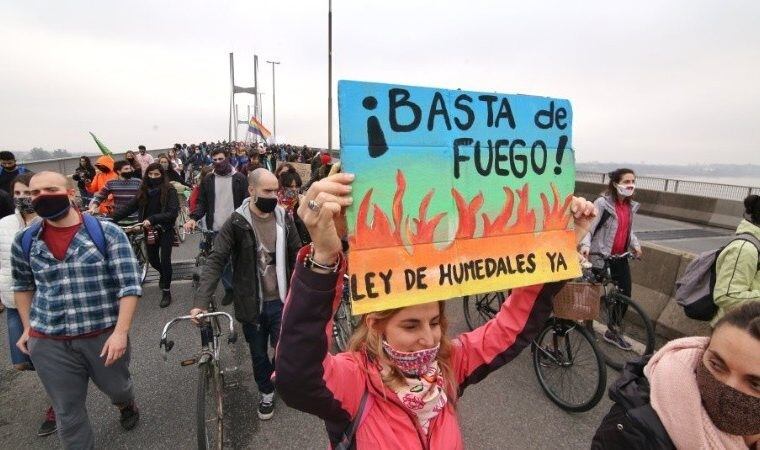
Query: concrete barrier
<point x="654" y="280"/>
<point x="670" y="205"/>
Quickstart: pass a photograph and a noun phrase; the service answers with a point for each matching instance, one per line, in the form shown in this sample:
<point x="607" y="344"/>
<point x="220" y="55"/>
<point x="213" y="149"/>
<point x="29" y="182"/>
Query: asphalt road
<point x="508" y="410"/>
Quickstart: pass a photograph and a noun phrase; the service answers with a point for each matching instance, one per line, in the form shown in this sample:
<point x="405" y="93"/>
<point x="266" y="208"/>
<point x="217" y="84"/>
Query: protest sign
<point x="456" y="192"/>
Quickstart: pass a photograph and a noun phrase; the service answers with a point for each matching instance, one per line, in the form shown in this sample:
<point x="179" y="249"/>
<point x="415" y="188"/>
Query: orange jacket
<point x="100" y="180"/>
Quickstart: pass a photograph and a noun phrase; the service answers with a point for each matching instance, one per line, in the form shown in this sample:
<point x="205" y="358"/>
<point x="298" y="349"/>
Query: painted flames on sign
<point x="401" y="230"/>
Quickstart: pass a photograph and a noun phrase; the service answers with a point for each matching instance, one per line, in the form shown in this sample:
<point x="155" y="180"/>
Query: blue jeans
<point x="15" y="330"/>
<point x="266" y="330"/>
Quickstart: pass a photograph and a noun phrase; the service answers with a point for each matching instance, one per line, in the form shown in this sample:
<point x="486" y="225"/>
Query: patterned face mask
<point x="412" y="363"/>
<point x="287" y="197"/>
<point x="732" y="411"/>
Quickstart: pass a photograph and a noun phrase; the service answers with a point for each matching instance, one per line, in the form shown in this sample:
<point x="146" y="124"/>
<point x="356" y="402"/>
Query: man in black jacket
<point x="222" y="191"/>
<point x="263" y="242"/>
<point x="9" y="170"/>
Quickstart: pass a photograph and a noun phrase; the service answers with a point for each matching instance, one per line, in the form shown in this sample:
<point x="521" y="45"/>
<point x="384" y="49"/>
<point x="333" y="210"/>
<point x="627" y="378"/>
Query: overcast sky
<point x="650" y="81"/>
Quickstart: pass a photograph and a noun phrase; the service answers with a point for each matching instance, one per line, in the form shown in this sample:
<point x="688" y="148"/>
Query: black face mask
<point x="223" y="168"/>
<point x="128" y="175"/>
<point x="266" y="205"/>
<point x="52" y="206"/>
<point x="154" y="182"/>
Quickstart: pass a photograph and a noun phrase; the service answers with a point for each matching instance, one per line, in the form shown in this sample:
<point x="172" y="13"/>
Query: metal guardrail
<point x="704" y="189"/>
<point x="67" y="166"/>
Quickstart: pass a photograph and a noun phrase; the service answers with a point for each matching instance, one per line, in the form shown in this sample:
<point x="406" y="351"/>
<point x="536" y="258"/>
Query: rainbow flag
<point x="256" y="127"/>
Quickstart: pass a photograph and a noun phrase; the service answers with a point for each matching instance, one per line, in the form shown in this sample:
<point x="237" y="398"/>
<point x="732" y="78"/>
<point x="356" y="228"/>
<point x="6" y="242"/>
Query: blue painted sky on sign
<point x="427" y="153"/>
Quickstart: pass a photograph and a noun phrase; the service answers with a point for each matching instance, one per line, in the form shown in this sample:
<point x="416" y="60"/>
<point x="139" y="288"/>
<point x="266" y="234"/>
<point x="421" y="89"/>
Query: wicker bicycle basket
<point x="578" y="301"/>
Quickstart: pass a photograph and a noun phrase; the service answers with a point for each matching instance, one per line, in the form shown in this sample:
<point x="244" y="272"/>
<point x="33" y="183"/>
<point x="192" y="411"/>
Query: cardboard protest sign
<point x="456" y="192"/>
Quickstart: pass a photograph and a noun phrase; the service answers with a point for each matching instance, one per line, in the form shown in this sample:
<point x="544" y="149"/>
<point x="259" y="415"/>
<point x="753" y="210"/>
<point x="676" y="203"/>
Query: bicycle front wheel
<point x="623" y="330"/>
<point x="209" y="408"/>
<point x="568" y="366"/>
<point x="141" y="254"/>
<point x="479" y="309"/>
<point x="180" y="224"/>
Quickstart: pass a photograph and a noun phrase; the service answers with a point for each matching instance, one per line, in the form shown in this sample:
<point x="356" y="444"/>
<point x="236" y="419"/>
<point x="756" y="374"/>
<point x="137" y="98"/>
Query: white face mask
<point x="625" y="191"/>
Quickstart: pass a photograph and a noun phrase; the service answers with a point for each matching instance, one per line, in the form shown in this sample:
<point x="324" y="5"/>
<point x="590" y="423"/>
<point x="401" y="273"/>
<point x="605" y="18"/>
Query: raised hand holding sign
<point x="456" y="192"/>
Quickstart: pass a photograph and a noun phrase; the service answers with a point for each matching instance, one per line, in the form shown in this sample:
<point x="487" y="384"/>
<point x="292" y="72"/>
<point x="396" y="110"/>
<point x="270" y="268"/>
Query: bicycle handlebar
<point x="168" y="345"/>
<point x="626" y="255"/>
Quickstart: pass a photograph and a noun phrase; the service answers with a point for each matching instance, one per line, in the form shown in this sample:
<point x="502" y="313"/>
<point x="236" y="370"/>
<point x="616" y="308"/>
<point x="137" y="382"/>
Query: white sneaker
<point x="266" y="406"/>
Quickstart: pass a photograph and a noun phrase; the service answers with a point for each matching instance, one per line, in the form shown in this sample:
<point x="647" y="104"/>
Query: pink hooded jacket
<point x="310" y="379"/>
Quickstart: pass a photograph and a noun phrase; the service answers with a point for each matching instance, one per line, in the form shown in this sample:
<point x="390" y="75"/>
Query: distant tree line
<point x="39" y="153"/>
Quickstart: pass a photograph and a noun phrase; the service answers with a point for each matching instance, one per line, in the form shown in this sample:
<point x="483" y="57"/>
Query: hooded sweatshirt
<point x="737" y="275"/>
<point x="100" y="180"/>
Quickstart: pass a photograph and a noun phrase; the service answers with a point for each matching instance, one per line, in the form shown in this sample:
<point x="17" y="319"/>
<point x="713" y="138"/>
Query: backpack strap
<point x="605" y="216"/>
<point x="747" y="237"/>
<point x="29" y="234"/>
<point x="95" y="230"/>
<point x="91" y="224"/>
<point x="347" y="441"/>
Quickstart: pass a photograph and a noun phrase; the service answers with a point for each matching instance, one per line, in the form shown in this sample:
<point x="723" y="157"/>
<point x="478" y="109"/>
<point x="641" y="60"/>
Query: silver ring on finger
<point x="314" y="205"/>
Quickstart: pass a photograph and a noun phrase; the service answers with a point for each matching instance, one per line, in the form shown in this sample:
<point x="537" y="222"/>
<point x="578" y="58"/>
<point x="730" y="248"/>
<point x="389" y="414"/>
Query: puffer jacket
<point x="737" y="273"/>
<point x="310" y="379"/>
<point x="9" y="227"/>
<point x="631" y="422"/>
<point x="600" y="240"/>
<point x="99" y="181"/>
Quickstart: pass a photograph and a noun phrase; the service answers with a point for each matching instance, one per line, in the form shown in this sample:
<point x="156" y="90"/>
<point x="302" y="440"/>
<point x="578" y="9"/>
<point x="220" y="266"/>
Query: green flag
<point x="103" y="149"/>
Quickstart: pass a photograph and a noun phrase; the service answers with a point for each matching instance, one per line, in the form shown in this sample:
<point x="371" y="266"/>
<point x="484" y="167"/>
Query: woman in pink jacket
<point x="402" y="364"/>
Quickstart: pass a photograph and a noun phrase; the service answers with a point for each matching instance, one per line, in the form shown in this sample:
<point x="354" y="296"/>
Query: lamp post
<point x="329" y="76"/>
<point x="274" y="111"/>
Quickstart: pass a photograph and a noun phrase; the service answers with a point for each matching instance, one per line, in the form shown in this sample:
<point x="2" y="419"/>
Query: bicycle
<point x="567" y="362"/>
<point x="182" y="217"/>
<point x="621" y="314"/>
<point x="200" y="259"/>
<point x="210" y="396"/>
<point x="137" y="241"/>
<point x="344" y="322"/>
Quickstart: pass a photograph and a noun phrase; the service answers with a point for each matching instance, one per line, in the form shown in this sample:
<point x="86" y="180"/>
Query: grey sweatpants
<point x="65" y="368"/>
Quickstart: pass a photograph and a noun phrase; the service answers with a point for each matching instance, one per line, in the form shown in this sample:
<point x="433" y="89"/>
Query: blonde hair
<point x="370" y="341"/>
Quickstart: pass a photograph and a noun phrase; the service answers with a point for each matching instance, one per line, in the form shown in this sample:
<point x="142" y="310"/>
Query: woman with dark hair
<point x="737" y="268"/>
<point x="285" y="167"/>
<point x="83" y="175"/>
<point x="288" y="197"/>
<point x="612" y="234"/>
<point x="694" y="393"/>
<point x="157" y="204"/>
<point x="132" y="160"/>
<point x="171" y="174"/>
